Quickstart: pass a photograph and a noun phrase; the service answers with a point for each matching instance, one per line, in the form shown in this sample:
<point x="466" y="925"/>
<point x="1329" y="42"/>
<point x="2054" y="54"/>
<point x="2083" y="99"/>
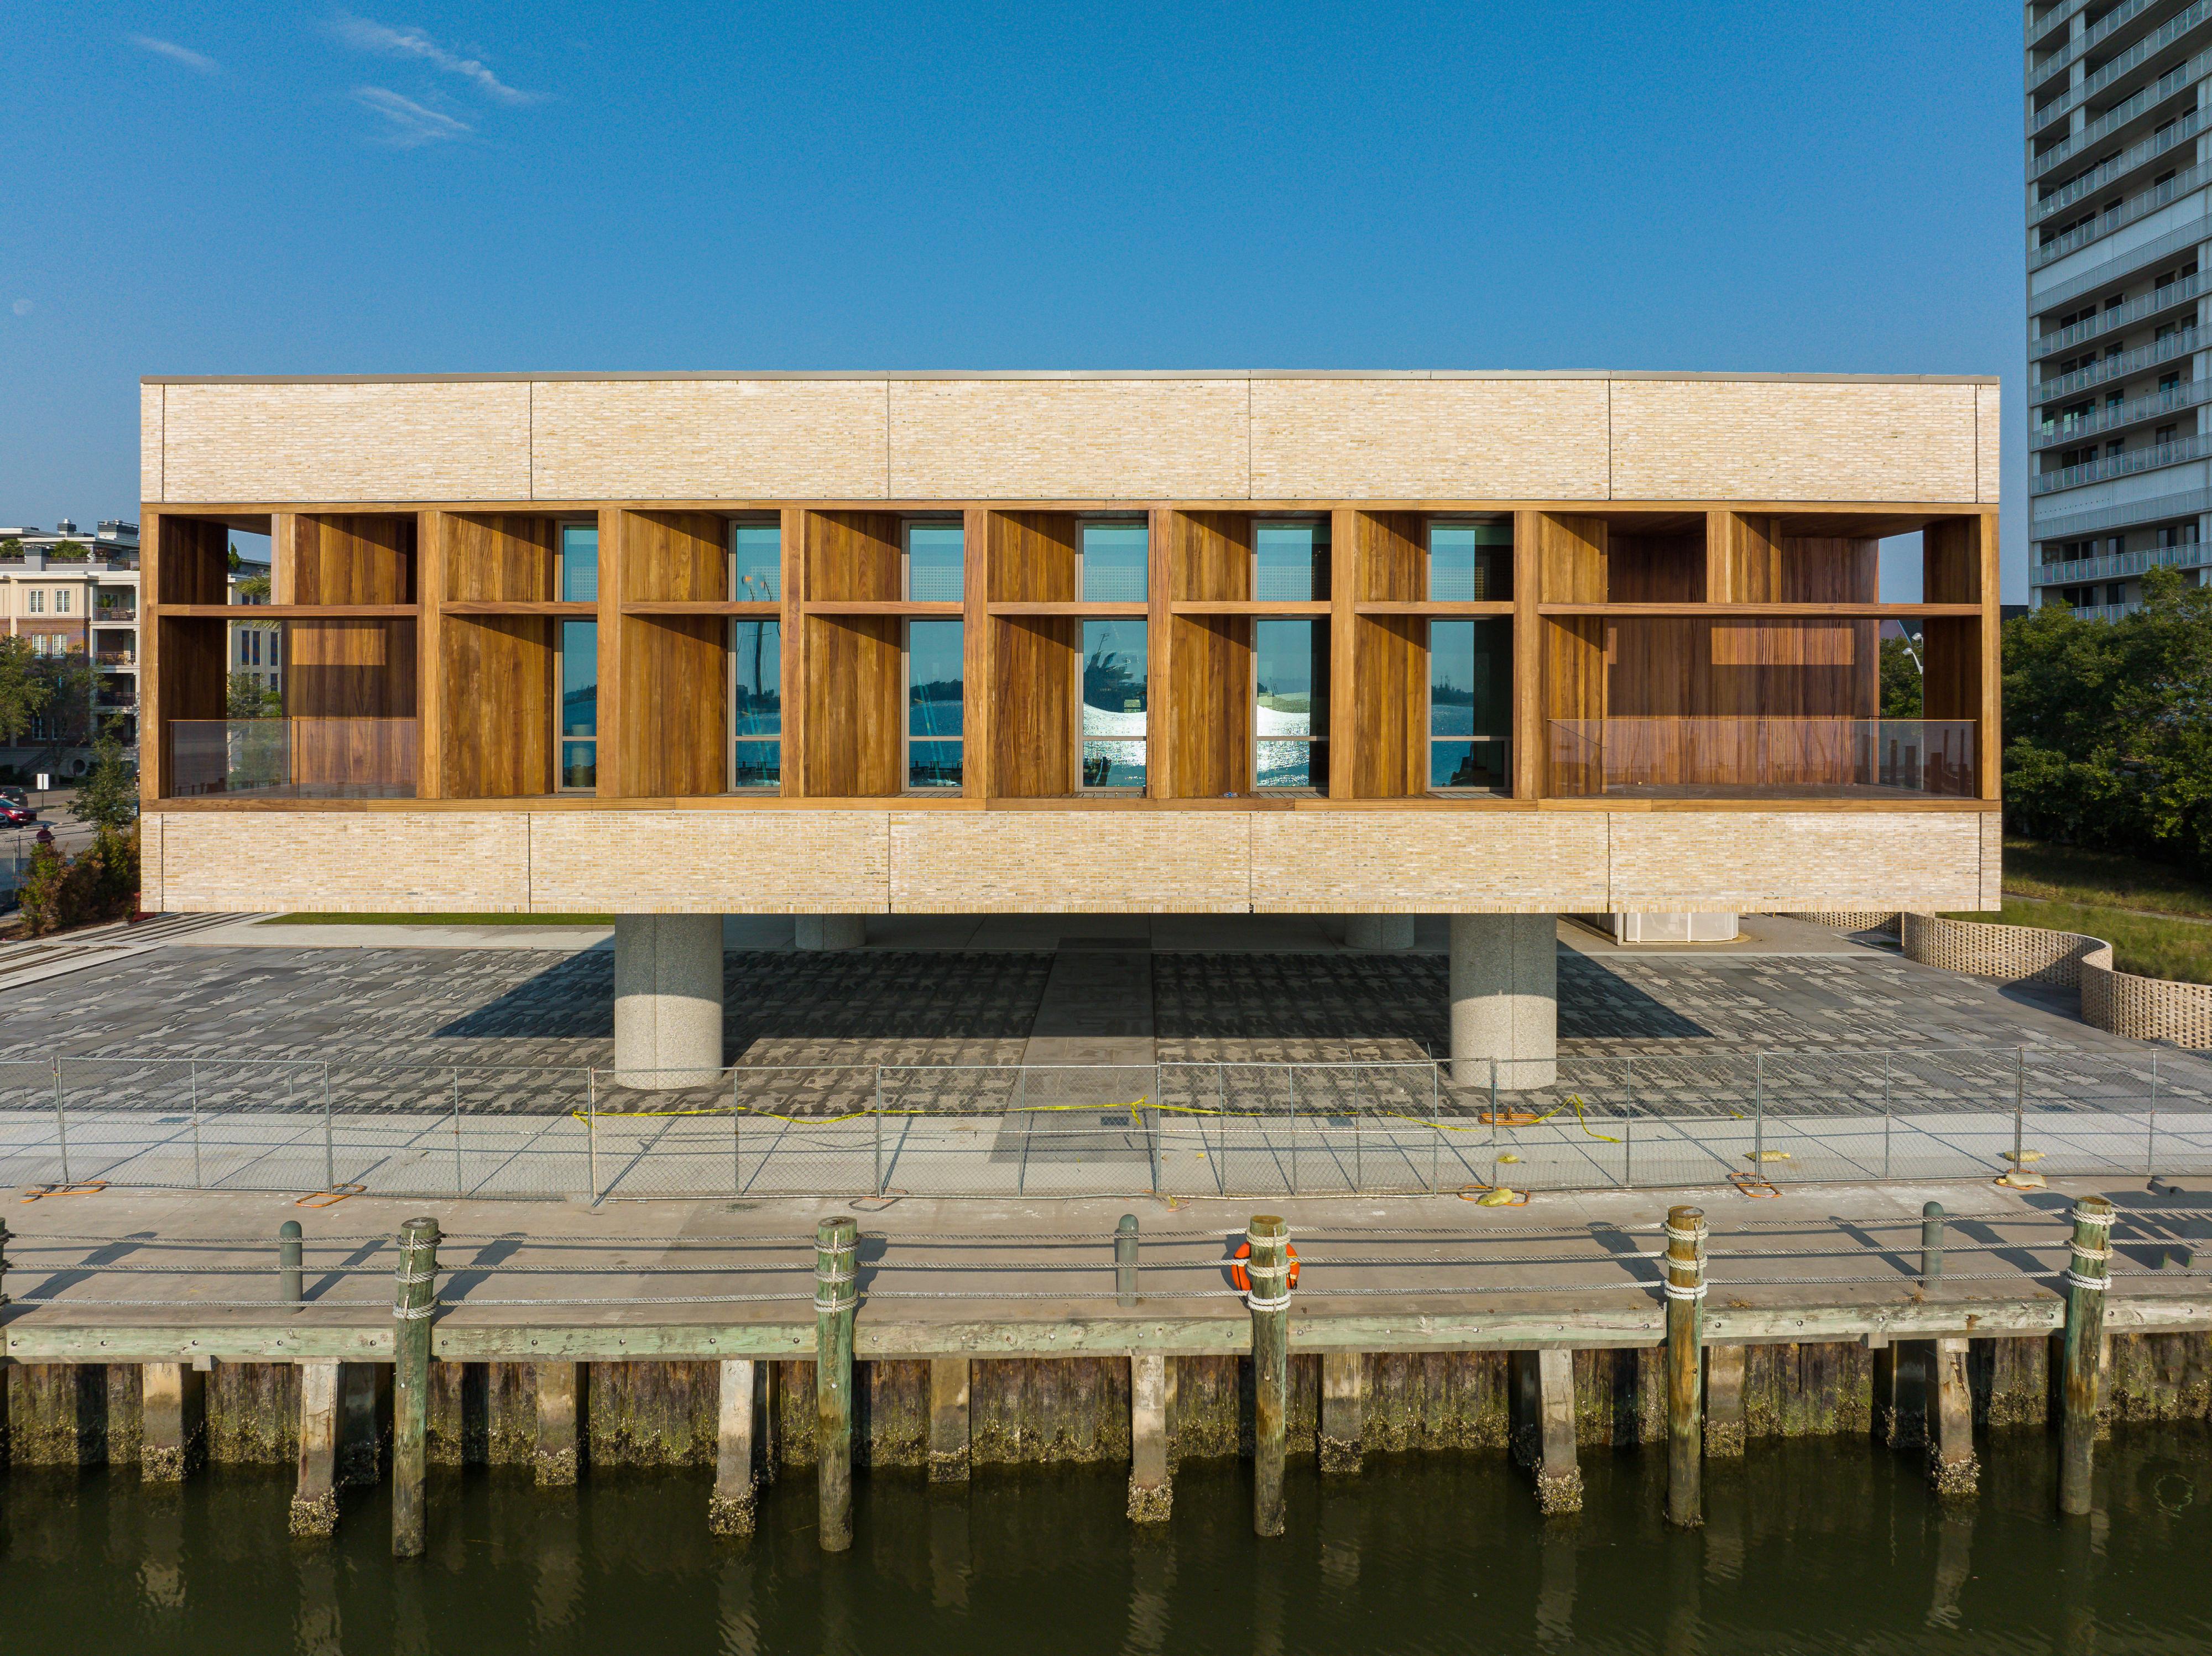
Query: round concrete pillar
<point x="1379" y="933"/>
<point x="829" y="930"/>
<point x="668" y="999"/>
<point x="1504" y="1000"/>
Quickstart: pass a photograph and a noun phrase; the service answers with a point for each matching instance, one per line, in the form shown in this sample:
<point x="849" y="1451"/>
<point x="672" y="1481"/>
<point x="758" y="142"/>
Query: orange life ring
<point x="1242" y="1279"/>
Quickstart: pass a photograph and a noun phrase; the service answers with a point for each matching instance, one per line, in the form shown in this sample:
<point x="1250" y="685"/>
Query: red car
<point x="14" y="816"/>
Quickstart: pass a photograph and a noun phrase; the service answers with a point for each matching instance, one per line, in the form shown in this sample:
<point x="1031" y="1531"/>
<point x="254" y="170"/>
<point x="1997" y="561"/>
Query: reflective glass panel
<point x="757" y="765"/>
<point x="579" y="764"/>
<point x="1290" y="703"/>
<point x="579" y="563"/>
<point x="757" y="665"/>
<point x="1470" y="563"/>
<point x="1289" y="561"/>
<point x="932" y="562"/>
<point x="935" y="683"/>
<point x="580" y="679"/>
<point x="1114" y="704"/>
<point x="1470" y="703"/>
<point x="1113" y="557"/>
<point x="756" y="563"/>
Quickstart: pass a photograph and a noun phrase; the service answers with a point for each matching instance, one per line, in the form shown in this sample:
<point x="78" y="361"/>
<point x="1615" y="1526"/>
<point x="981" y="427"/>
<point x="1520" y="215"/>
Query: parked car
<point x="15" y="797"/>
<point x="14" y="816"/>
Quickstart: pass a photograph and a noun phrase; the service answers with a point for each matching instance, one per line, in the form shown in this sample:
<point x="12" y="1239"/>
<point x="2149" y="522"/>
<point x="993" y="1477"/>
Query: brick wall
<point x="2143" y="1009"/>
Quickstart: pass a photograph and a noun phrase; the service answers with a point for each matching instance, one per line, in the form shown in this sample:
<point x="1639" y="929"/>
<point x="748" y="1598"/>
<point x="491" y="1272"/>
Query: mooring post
<point x="1931" y="1242"/>
<point x="1724" y="1420"/>
<point x="561" y="1405"/>
<point x="1952" y="1466"/>
<point x="1151" y="1485"/>
<point x="1125" y="1260"/>
<point x="2086" y="1281"/>
<point x="948" y="1420"/>
<point x="730" y="1509"/>
<point x="290" y="1287"/>
<point x="1343" y="1412"/>
<point x="836" y="1292"/>
<point x="1686" y="1293"/>
<point x="315" y="1498"/>
<point x="414" y="1299"/>
<point x="1559" y="1479"/>
<point x="1269" y="1268"/>
<point x="173" y="1417"/>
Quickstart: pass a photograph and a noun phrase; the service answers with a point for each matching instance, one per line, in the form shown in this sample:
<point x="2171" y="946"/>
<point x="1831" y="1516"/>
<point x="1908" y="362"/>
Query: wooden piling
<point x="737" y="1450"/>
<point x="1686" y="1293"/>
<point x="1724" y="1402"/>
<point x="173" y="1434"/>
<point x="561" y="1413"/>
<point x="364" y="1407"/>
<point x="1343" y="1412"/>
<point x="1901" y="1374"/>
<point x="1559" y="1479"/>
<point x="837" y="1293"/>
<point x="315" y="1498"/>
<point x="413" y="1302"/>
<point x="1152" y="1475"/>
<point x="1952" y="1466"/>
<point x="1269" y="1299"/>
<point x="949" y="1451"/>
<point x="2086" y="1281"/>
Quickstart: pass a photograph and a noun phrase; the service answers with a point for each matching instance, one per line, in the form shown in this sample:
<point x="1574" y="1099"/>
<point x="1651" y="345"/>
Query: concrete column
<point x="730" y="1511"/>
<point x="560" y="1422"/>
<point x="1151" y="1479"/>
<point x="1723" y="1402"/>
<point x="948" y="1420"/>
<point x="174" y="1400"/>
<point x="668" y="999"/>
<point x="1379" y="933"/>
<point x="829" y="930"/>
<point x="1504" y="999"/>
<point x="1952" y="1466"/>
<point x="1343" y="1410"/>
<point x="315" y="1501"/>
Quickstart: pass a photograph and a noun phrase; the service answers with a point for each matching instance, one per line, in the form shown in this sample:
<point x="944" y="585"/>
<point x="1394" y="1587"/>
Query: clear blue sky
<point x="443" y="186"/>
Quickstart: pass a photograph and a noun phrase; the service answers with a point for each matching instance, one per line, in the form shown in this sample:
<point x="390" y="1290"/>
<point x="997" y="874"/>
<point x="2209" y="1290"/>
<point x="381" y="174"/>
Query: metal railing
<point x="2071" y="428"/>
<point x="2178" y="79"/>
<point x="2191" y="448"/>
<point x="2139" y="205"/>
<point x="2136" y="155"/>
<point x="1187" y="1128"/>
<point x="2180" y="291"/>
<point x="2113" y="68"/>
<point x="2180" y="342"/>
<point x="2112" y="565"/>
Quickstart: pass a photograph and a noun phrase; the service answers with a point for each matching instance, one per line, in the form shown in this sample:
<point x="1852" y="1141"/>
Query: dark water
<point x="1809" y="1547"/>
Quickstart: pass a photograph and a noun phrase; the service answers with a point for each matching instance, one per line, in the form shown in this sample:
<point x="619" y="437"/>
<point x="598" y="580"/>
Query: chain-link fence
<point x="1188" y="1129"/>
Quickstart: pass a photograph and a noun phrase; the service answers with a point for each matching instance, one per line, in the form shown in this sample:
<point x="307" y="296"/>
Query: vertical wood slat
<point x="1346" y="675"/>
<point x="494" y="691"/>
<point x="1159" y="640"/>
<point x="673" y="703"/>
<point x="612" y="779"/>
<point x="433" y="585"/>
<point x="978" y="752"/>
<point x="1528" y="732"/>
<point x="792" y="548"/>
<point x="1990" y="733"/>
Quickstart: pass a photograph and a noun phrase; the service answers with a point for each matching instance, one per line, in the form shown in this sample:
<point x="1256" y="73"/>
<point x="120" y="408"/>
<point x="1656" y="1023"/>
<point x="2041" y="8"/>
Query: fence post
<point x="61" y="1121"/>
<point x="1125" y="1261"/>
<point x="1931" y="1242"/>
<point x="1628" y="1129"/>
<point x="2089" y="1275"/>
<point x="1759" y="1114"/>
<point x="1292" y="1070"/>
<point x="1156" y="1126"/>
<point x="2019" y="1107"/>
<point x="1686" y="1293"/>
<point x="289" y="1287"/>
<point x="460" y="1180"/>
<point x="330" y="1150"/>
<point x="1269" y="1271"/>
<point x="1885" y="1115"/>
<point x="836" y="1292"/>
<point x="876" y="1116"/>
<point x="2150" y="1147"/>
<point x="415" y="1299"/>
<point x="591" y="1132"/>
<point x="192" y="1075"/>
<point x="737" y="1144"/>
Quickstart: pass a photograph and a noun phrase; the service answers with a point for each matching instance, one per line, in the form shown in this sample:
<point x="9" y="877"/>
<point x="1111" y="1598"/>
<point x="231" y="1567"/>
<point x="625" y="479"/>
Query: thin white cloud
<point x="23" y="308"/>
<point x="364" y="35"/>
<point x="174" y="53"/>
<point x="412" y="125"/>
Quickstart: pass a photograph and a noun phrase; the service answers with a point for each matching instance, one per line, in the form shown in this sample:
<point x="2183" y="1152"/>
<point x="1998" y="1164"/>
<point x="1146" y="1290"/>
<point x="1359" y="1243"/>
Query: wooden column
<point x="1270" y="1301"/>
<point x="1686" y="1289"/>
<point x="2082" y="1351"/>
<point x="413" y="1305"/>
<point x="1159" y="640"/>
<point x="1343" y="546"/>
<point x="836" y="1244"/>
<point x="561" y="1404"/>
<point x="432" y="587"/>
<point x="1990" y="750"/>
<point x="793" y="659"/>
<point x="1343" y="1410"/>
<point x="613" y="779"/>
<point x="979" y="750"/>
<point x="1151" y="1475"/>
<point x="737" y="1448"/>
<point x="315" y="1498"/>
<point x="1527" y="658"/>
<point x="948" y="1420"/>
<point x="174" y="1404"/>
<point x="1952" y="1466"/>
<point x="1724" y="1423"/>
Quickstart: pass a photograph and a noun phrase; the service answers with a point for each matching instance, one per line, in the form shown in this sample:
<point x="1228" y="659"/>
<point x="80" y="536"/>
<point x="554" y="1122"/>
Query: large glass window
<point x="756" y="704"/>
<point x="1289" y="561"/>
<point x="576" y="666"/>
<point x="1114" y="562"/>
<point x="1470" y="704"/>
<point x="936" y="679"/>
<point x="1290" y="704"/>
<point x="1114" y="703"/>
<point x="757" y="562"/>
<point x="1470" y="562"/>
<point x="933" y="562"/>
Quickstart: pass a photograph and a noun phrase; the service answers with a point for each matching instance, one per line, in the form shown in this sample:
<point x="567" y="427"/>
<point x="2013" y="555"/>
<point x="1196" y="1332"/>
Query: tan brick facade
<point x="1194" y="437"/>
<point x="790" y="861"/>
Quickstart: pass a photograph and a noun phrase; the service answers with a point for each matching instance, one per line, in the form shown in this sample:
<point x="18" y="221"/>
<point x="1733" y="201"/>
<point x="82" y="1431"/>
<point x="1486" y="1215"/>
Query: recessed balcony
<point x="1738" y="758"/>
<point x="293" y="758"/>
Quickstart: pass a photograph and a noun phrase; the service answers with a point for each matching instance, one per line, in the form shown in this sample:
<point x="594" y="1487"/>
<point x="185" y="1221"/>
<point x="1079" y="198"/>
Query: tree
<point x="235" y="559"/>
<point x="11" y="551"/>
<point x="109" y="797"/>
<point x="68" y="552"/>
<point x="68" y="705"/>
<point x="254" y="589"/>
<point x="24" y="691"/>
<point x="2110" y="726"/>
<point x="1900" y="678"/>
<point x="248" y="698"/>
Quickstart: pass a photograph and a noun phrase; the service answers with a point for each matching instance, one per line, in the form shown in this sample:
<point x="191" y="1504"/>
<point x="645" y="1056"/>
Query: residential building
<point x="2119" y="228"/>
<point x="74" y="594"/>
<point x="1500" y="646"/>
